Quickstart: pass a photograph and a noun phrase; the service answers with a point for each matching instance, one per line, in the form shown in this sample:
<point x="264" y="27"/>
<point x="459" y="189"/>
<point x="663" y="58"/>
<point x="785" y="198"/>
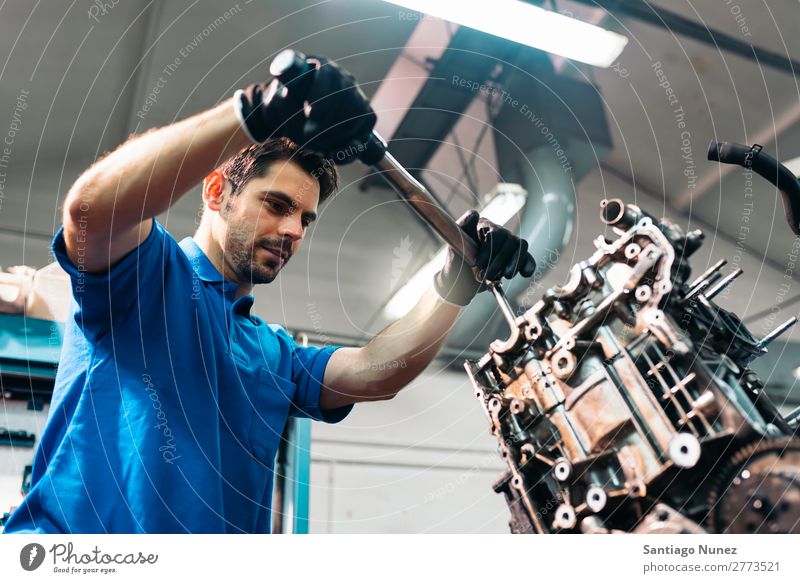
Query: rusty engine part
<point x="623" y="401"/>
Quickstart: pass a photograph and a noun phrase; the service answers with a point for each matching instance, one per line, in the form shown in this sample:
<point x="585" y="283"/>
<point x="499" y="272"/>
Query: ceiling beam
<point x="665" y="19"/>
<point x="143" y="64"/>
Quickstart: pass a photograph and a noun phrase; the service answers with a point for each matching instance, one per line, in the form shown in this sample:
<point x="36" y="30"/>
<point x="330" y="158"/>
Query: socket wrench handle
<point x="294" y="70"/>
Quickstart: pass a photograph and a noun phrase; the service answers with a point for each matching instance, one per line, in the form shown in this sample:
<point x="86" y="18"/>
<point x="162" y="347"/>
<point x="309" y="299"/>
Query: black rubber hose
<point x="766" y="166"/>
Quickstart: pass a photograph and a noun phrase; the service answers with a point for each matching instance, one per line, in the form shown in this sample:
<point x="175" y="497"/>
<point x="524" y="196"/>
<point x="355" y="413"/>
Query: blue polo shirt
<point x="169" y="402"/>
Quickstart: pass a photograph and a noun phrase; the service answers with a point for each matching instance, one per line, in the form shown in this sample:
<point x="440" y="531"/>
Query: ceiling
<point x="85" y="73"/>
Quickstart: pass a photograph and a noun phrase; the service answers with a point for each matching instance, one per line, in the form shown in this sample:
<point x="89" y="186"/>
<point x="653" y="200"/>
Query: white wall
<point x="422" y="462"/>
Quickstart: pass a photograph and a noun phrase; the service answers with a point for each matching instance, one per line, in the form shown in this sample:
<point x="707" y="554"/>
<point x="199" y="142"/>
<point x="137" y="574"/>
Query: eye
<point x="277" y="206"/>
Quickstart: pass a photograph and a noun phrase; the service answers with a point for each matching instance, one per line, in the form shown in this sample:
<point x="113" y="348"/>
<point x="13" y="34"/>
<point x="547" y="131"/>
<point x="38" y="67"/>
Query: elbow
<point x="81" y="208"/>
<point x="78" y="203"/>
<point x="76" y="210"/>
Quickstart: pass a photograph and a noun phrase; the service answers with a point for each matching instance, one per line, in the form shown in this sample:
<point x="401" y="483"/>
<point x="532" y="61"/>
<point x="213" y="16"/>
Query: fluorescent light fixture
<point x="528" y="25"/>
<point x="407" y="296"/>
<point x="793" y="165"/>
<point x="501" y="204"/>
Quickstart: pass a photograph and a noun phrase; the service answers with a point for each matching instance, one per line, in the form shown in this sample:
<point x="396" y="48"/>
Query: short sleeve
<point x="308" y="372"/>
<point x="137" y="276"/>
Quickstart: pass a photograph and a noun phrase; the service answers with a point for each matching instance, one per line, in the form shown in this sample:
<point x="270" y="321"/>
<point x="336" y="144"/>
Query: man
<point x="171" y="395"/>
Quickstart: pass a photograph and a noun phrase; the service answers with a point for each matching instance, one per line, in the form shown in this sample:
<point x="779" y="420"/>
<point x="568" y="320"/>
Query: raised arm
<point x="108" y="210"/>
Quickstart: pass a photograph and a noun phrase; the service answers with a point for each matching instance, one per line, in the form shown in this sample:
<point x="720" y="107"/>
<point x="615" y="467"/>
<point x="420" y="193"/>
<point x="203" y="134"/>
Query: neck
<point x="204" y="237"/>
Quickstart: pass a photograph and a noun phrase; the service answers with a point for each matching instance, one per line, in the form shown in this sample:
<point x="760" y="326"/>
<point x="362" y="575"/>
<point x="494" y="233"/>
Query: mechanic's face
<point x="266" y="221"/>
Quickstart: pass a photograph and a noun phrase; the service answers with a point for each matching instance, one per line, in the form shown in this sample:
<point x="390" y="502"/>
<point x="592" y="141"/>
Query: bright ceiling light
<point x="793" y="165"/>
<point x="501" y="204"/>
<point x="529" y="25"/>
<point x="407" y="296"/>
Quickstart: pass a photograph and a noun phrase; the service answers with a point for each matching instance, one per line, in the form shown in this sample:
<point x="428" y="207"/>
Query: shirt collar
<point x="200" y="262"/>
<point x="204" y="269"/>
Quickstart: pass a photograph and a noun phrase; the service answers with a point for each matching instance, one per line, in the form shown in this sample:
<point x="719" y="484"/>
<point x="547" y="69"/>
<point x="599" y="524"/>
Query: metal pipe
<point x="777" y="332"/>
<point x="505" y="307"/>
<point x="708" y="273"/>
<point x="723" y="283"/>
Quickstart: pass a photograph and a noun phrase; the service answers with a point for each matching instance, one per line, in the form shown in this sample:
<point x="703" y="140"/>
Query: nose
<point x="291" y="227"/>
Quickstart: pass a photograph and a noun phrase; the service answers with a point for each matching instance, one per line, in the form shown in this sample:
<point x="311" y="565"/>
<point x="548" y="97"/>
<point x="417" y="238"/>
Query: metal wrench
<point x="290" y="68"/>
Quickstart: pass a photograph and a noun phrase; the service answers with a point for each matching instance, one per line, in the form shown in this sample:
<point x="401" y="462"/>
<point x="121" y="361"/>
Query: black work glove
<point x="500" y="254"/>
<point x="323" y="110"/>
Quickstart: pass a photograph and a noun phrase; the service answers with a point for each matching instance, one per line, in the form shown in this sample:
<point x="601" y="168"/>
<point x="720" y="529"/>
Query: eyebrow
<point x="311" y="216"/>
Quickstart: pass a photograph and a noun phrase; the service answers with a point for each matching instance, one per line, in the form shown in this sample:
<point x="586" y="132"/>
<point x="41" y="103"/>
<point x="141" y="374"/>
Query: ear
<point x="215" y="189"/>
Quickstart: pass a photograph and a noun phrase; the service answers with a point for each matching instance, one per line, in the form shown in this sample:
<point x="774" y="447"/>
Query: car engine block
<point x="623" y="401"/>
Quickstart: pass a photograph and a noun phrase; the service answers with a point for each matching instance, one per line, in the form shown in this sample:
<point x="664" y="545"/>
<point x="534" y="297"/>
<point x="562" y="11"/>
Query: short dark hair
<point x="255" y="161"/>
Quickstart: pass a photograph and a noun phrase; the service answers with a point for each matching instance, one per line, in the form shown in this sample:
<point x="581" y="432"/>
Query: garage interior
<point x="80" y="77"/>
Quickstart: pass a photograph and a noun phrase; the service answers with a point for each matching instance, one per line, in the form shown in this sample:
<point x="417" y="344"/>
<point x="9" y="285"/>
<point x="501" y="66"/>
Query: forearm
<point x="150" y="172"/>
<point x="391" y="359"/>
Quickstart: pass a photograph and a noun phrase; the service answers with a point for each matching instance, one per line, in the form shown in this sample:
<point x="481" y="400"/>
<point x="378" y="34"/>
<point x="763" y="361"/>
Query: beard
<point x="241" y="250"/>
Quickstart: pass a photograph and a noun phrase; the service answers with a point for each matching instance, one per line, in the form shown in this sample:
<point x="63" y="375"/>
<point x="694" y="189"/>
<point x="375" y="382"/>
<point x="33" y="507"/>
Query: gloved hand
<point x="500" y="254"/>
<point x="323" y="110"/>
